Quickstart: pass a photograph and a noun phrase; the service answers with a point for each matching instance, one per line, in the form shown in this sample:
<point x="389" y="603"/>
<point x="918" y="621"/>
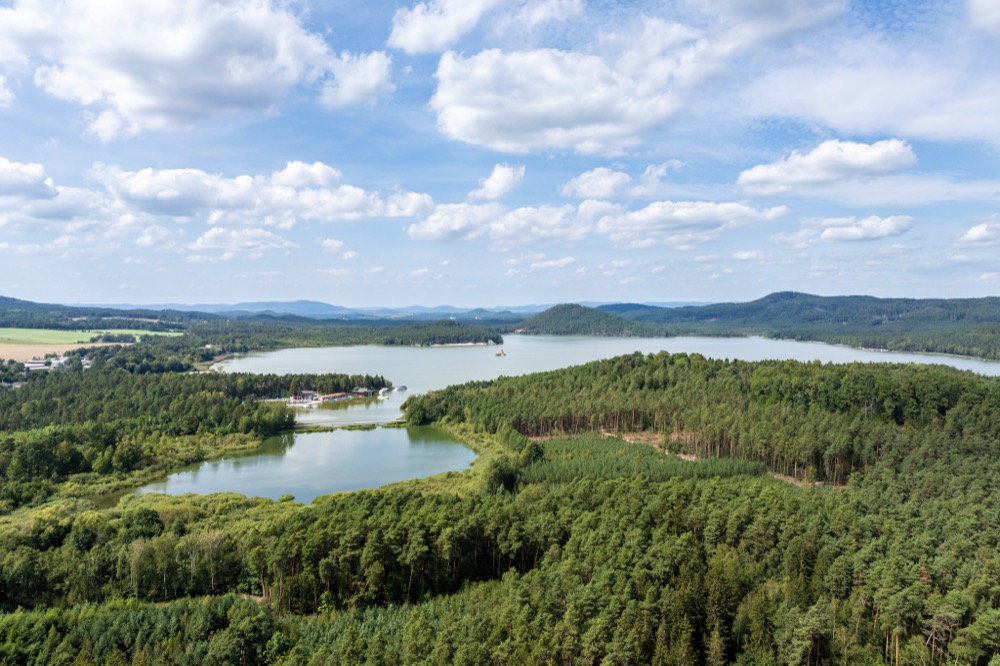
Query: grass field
<point x="51" y="336"/>
<point x="21" y="344"/>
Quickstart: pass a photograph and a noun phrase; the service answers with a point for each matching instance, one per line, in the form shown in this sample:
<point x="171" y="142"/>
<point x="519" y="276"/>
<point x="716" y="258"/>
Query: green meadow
<point x="52" y="336"/>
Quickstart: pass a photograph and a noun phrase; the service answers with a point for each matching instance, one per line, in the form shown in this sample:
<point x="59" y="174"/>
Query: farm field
<point x="21" y="344"/>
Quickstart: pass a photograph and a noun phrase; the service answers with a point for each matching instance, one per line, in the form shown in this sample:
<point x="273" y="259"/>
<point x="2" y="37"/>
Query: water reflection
<point x="308" y="465"/>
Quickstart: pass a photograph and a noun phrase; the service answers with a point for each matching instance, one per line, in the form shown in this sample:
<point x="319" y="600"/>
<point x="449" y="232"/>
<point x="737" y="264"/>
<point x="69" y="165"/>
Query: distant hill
<point x="794" y="309"/>
<point x="17" y="313"/>
<point x="961" y="326"/>
<point x="571" y="319"/>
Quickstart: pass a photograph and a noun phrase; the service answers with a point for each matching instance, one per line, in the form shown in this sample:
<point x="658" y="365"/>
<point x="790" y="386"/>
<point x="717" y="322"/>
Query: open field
<point x="23" y="352"/>
<point x="21" y="344"/>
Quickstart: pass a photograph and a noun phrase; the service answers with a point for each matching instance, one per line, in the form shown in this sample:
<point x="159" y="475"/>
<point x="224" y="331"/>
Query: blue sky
<point x="491" y="152"/>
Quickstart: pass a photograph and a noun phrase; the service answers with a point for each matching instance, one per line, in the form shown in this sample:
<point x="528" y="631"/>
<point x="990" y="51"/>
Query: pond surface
<point x="307" y="465"/>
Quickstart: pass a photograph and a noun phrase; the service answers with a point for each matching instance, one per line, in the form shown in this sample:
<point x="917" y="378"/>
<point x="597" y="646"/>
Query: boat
<point x="501" y="353"/>
<point x="401" y="388"/>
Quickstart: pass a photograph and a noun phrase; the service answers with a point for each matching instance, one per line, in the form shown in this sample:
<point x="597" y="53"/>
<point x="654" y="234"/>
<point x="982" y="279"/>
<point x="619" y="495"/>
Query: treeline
<point x="573" y="547"/>
<point x="83" y="427"/>
<point x="806" y="420"/>
<point x="961" y="326"/>
<point x="740" y="569"/>
<point x="570" y="319"/>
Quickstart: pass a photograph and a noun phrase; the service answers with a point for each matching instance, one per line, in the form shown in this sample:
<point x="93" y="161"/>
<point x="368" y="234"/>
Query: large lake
<point x="307" y="465"/>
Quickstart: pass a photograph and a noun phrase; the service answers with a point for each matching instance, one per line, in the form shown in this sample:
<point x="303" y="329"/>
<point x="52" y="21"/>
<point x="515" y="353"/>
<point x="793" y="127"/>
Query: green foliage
<point x="961" y="326"/>
<point x="570" y="544"/>
<point x="570" y="319"/>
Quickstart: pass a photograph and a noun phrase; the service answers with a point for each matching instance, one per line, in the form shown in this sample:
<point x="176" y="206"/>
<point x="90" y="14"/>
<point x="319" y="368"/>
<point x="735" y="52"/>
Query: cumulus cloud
<point x="141" y="66"/>
<point x="829" y="162"/>
<point x="604" y="183"/>
<point x="503" y="179"/>
<point x="599" y="183"/>
<point x="546" y="98"/>
<point x="505" y="228"/>
<point x="869" y="228"/>
<point x="155" y="236"/>
<point x="22" y="180"/>
<point x="987" y="233"/>
<point x="431" y="27"/>
<point x="300" y="191"/>
<point x="358" y="79"/>
<point x="603" y="96"/>
<point x="533" y="224"/>
<point x="236" y="242"/>
<point x="518" y="102"/>
<point x="456" y="222"/>
<point x="680" y="224"/>
<point x="332" y="245"/>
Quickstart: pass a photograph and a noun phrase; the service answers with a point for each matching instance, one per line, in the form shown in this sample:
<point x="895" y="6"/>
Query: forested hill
<point x="571" y="319"/>
<point x="17" y="313"/>
<point x="966" y="327"/>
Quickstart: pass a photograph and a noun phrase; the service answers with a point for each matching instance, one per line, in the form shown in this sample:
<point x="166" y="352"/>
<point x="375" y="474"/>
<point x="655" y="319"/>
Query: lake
<point x="308" y="465"/>
<point x="311" y="464"/>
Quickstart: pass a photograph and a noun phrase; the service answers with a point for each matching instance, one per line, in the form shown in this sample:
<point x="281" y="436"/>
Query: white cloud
<point x="358" y="79"/>
<point x="845" y="229"/>
<point x="332" y="245"/>
<point x="503" y="179"/>
<point x="869" y="228"/>
<point x="553" y="263"/>
<point x="6" y="96"/>
<point x="300" y="175"/>
<point x="985" y="15"/>
<point x="604" y="183"/>
<point x="599" y="183"/>
<point x="875" y="86"/>
<point x="234" y="242"/>
<point x="350" y="255"/>
<point x="420" y="272"/>
<point x="456" y="221"/>
<point x="829" y="162"/>
<point x="749" y="255"/>
<point x="24" y="180"/>
<point x="142" y="66"/>
<point x="155" y="236"/>
<point x="537" y="13"/>
<point x="987" y="233"/>
<point x="431" y="27"/>
<point x="549" y="99"/>
<point x="680" y="224"/>
<point x="760" y="20"/>
<point x="534" y="224"/>
<point x="299" y="191"/>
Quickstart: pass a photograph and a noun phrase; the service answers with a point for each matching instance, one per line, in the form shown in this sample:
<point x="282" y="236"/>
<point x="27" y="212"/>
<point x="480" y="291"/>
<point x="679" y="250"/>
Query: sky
<point x="497" y="152"/>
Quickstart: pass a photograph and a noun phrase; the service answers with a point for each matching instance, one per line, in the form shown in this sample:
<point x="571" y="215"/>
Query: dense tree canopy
<point x="661" y="509"/>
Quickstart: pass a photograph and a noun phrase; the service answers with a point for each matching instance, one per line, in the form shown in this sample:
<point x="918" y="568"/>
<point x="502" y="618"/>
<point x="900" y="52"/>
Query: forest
<point x="660" y="509"/>
<point x="646" y="509"/>
<point x="960" y="326"/>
